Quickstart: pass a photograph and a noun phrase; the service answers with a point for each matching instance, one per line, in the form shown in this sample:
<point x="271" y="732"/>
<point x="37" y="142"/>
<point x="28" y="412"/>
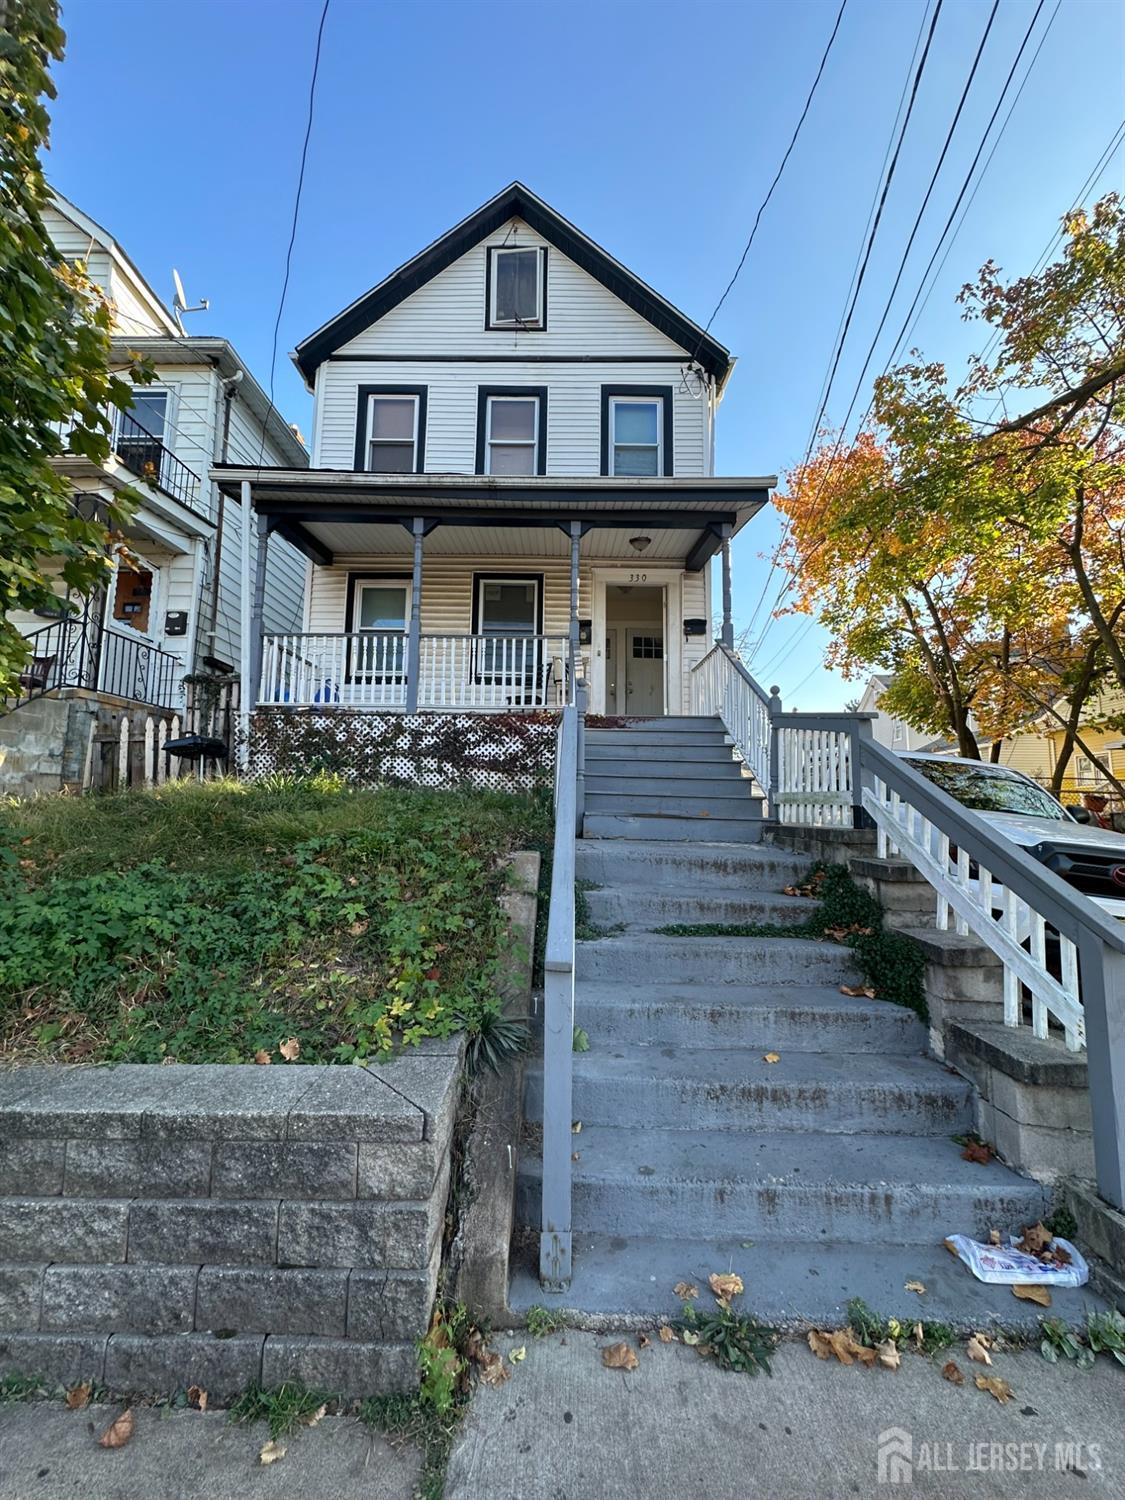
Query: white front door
<point x="644" y="670"/>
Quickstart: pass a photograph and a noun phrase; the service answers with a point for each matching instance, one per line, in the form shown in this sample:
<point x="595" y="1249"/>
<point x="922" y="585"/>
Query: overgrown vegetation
<point x="1104" y="1334"/>
<point x="733" y="1340"/>
<point x="209" y="923"/>
<point x="284" y="1407"/>
<point x="892" y="964"/>
<point x="871" y="1330"/>
<point x="541" y="1321"/>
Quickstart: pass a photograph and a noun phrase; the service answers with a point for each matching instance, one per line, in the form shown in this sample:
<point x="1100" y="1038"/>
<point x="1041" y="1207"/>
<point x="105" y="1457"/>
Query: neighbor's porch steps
<point x="826" y="1175"/>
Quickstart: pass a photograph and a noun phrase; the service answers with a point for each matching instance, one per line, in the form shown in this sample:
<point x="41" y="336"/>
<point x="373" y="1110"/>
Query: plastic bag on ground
<point x="1004" y="1265"/>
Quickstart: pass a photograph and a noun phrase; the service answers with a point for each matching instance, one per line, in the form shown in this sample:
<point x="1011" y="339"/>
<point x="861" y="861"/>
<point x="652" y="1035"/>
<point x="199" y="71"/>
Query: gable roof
<point x="516" y="201"/>
<point x="99" y="236"/>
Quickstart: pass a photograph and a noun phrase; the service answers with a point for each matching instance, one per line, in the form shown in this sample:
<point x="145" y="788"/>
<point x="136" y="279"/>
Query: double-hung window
<point x="507" y="612"/>
<point x="140" y="433"/>
<point x="511" y="430"/>
<point x="392" y="434"/>
<point x="636" y="435"/>
<point x="517" y="281"/>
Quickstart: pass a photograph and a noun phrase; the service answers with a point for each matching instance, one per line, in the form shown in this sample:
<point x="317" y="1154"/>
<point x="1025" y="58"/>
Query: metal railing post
<point x="1103" y="997"/>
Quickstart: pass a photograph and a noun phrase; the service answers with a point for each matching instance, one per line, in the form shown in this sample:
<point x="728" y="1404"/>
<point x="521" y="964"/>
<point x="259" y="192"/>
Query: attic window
<point x="516" y="283"/>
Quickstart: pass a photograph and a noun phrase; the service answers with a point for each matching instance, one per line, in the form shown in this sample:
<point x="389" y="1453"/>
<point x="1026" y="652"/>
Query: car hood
<point x="1028" y="831"/>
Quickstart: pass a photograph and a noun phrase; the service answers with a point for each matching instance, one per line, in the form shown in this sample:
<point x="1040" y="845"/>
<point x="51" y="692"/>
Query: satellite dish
<point x="180" y="301"/>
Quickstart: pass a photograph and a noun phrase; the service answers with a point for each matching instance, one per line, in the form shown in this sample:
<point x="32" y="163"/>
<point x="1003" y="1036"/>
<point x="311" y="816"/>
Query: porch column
<point x="246" y="694"/>
<point x="414" y="639"/>
<point x="728" y="623"/>
<point x="258" y="606"/>
<point x="576" y="529"/>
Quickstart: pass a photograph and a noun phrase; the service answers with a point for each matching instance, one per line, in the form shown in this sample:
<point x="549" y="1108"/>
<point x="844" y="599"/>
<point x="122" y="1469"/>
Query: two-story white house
<point x="171" y="605"/>
<point x="512" y="485"/>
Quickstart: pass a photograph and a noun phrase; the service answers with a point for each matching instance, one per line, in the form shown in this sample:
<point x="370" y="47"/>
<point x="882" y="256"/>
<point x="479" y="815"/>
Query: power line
<point x="293" y="225"/>
<point x="777" y="178"/>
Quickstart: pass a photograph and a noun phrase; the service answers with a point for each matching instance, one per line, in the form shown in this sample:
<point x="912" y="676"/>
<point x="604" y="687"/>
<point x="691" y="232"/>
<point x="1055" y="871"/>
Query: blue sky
<point x="655" y="125"/>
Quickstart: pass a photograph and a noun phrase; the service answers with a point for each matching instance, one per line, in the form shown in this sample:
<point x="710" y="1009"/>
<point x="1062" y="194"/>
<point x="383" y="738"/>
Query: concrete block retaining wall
<point x="170" y="1226"/>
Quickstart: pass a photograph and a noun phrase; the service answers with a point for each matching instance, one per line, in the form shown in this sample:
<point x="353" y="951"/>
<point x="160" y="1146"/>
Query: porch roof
<point x="298" y="500"/>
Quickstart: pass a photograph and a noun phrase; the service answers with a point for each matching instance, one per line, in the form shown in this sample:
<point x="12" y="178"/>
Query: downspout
<point x="229" y="391"/>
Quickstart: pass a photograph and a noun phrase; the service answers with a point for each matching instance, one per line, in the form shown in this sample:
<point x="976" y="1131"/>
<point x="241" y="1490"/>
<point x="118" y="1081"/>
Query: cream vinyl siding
<point x="446" y="318"/>
<point x="447" y="595"/>
<point x="573" y="410"/>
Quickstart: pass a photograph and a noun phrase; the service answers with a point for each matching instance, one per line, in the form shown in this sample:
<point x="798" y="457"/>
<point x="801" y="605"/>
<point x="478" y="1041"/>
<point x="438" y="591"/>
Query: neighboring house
<point x="511" y="486"/>
<point x="171" y="606"/>
<point x="896" y="734"/>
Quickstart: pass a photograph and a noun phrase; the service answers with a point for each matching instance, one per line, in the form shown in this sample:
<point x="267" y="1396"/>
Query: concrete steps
<point x="863" y="1188"/>
<point x="606" y="825"/>
<point x="711" y="866"/>
<point x="763" y="1018"/>
<point x="686" y="1088"/>
<point x="633" y="959"/>
<point x="644" y="911"/>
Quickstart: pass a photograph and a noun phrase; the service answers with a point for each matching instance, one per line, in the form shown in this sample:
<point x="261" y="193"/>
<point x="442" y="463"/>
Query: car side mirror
<point x="1079" y="814"/>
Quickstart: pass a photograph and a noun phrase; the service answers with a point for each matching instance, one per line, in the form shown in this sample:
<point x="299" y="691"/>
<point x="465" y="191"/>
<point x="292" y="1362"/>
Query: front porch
<point x="461" y="593"/>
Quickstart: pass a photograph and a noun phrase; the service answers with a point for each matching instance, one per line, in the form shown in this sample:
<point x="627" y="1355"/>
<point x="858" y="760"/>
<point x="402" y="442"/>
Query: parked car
<point x="1090" y="858"/>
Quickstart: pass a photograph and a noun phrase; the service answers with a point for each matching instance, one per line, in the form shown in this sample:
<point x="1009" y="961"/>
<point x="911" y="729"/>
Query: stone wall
<point x="162" y="1227"/>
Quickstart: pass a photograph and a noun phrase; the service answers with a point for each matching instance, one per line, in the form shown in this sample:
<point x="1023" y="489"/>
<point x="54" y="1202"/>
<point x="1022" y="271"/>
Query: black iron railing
<point x="146" y="456"/>
<point x="80" y="653"/>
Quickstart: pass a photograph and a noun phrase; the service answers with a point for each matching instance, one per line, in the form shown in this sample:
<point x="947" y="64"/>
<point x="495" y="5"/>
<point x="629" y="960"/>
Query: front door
<point x="644" y="670"/>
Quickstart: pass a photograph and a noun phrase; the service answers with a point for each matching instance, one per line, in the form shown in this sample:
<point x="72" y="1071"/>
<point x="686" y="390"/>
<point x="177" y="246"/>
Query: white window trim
<point x="490" y="441"/>
<point x="654" y="401"/>
<point x="482" y="583"/>
<point x="369" y="438"/>
<point x="380" y="583"/>
<point x="494" y="264"/>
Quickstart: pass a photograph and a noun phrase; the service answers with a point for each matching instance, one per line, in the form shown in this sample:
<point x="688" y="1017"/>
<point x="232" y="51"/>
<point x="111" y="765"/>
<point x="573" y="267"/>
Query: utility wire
<point x="777" y="178"/>
<point x="293" y="225"/>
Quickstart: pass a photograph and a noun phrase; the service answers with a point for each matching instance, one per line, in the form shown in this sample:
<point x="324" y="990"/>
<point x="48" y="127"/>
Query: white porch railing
<point x="720" y="684"/>
<point x="365" y="669"/>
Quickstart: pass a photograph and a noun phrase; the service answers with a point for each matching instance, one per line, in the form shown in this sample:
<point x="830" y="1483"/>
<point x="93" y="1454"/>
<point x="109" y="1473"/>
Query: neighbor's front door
<point x="644" y="671"/>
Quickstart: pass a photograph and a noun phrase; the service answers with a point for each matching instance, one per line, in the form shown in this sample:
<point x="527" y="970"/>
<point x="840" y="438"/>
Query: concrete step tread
<point x="811" y="1000"/>
<point x="729" y="831"/>
<point x="790" y="1283"/>
<point x="746" y="1067"/>
<point x="776" y="900"/>
<point x="610" y="1154"/>
<point x="649" y="947"/>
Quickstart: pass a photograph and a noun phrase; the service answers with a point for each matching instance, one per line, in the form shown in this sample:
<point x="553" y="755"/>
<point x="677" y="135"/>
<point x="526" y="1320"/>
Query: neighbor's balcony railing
<point x="371" y="669"/>
<point x="147" y="458"/>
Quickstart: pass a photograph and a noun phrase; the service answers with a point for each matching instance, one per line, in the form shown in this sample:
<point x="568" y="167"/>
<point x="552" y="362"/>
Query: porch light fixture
<point x="640" y="543"/>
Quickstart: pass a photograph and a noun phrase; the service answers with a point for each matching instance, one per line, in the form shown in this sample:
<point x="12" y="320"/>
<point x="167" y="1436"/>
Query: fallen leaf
<point x="619" y="1357"/>
<point x="576" y="1156"/>
<point x="314" y="1416"/>
<point x="978" y="1151"/>
<point x="771" y="1057"/>
<point x="493" y="1370"/>
<point x="1035" y="1240"/>
<point x="667" y="1335"/>
<point x="858" y="991"/>
<point x="118" y="1433"/>
<point x="725" y="1287"/>
<point x="915" y="1286"/>
<point x="271" y="1453"/>
<point x="888" y="1354"/>
<point x="951" y="1371"/>
<point x="995" y="1387"/>
<point x="357" y="929"/>
<point x="516" y="1355"/>
<point x="1033" y="1292"/>
<point x="289" y="1050"/>
<point x="952" y="1248"/>
<point x="685" y="1291"/>
<point x="1062" y="1257"/>
<point x="842" y="1344"/>
<point x="78" y="1396"/>
<point x="197" y="1397"/>
<point x="643" y="1341"/>
<point x="919" y="1335"/>
<point x="262" y="1056"/>
<point x="977" y="1348"/>
<point x="994" y="1237"/>
<point x="576" y="1127"/>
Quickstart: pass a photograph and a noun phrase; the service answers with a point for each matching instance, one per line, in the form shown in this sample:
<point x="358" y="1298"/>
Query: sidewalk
<point x="566" y="1428"/>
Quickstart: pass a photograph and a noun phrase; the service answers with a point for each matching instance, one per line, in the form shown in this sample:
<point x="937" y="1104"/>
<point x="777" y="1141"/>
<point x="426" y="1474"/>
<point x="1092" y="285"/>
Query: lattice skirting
<point x="488" y="752"/>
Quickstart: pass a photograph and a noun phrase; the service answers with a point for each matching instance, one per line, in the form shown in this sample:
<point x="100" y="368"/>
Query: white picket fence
<point x="128" y="750"/>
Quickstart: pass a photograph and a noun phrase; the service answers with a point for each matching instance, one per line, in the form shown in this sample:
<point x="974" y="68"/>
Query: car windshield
<point x="987" y="788"/>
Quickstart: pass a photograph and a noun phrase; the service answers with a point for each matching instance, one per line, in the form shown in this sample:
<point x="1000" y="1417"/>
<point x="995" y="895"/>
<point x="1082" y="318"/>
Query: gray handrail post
<point x="775" y="707"/>
<point x="582" y="698"/>
<point x="861" y="733"/>
<point x="1103" y="998"/>
<point x="414" y="638"/>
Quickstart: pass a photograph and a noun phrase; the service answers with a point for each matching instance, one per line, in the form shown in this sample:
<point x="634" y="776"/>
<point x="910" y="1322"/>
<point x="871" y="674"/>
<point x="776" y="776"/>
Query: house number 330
<point x="638" y="577"/>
